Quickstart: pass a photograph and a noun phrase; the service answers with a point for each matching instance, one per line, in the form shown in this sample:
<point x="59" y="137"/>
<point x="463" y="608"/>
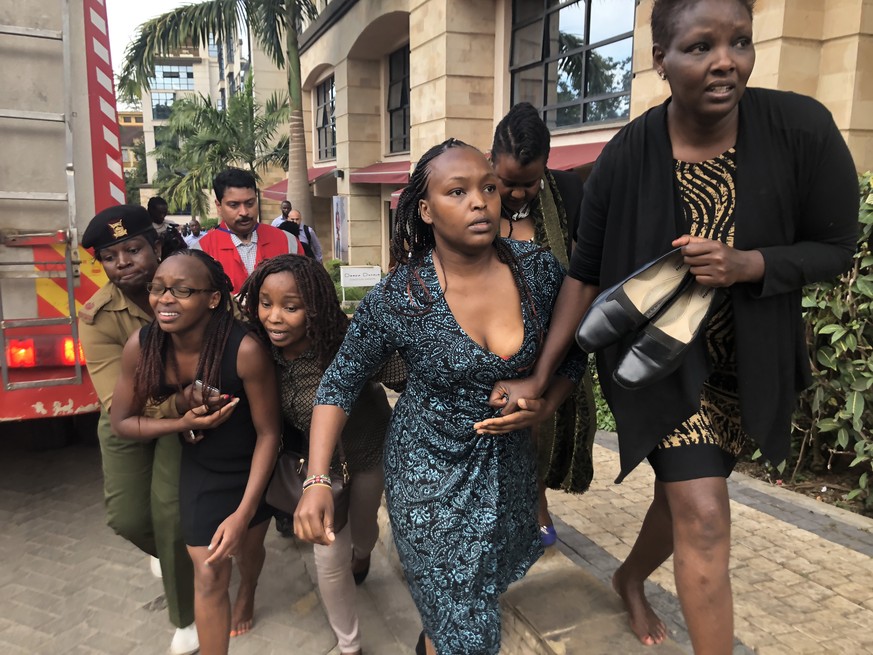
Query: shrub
<point x="835" y="415"/>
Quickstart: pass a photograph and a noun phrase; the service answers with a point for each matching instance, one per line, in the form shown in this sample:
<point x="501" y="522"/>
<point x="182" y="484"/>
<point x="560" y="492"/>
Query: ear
<point x="218" y="206"/>
<point x="424" y="210"/>
<point x="214" y="299"/>
<point x="657" y="57"/>
<point x="158" y="247"/>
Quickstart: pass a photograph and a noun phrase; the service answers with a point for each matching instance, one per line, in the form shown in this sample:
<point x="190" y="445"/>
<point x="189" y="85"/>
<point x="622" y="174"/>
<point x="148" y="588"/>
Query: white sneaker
<point x="156" y="567"/>
<point x="185" y="641"/>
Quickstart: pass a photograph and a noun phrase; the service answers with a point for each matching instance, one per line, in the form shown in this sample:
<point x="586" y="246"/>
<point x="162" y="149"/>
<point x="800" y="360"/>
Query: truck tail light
<point x="20" y="353"/>
<point x="47" y="350"/>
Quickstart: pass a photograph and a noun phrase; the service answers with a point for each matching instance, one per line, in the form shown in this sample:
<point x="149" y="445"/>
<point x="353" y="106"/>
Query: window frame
<point x="543" y="17"/>
<point x="173" y="77"/>
<point x="398" y="143"/>
<point x="325" y="132"/>
<point x="165" y="95"/>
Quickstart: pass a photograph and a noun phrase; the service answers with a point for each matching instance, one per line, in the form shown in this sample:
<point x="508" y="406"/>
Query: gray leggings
<point x="334" y="562"/>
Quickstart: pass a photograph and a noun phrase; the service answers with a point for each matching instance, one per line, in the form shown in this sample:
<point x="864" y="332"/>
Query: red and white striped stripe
<point x="109" y="187"/>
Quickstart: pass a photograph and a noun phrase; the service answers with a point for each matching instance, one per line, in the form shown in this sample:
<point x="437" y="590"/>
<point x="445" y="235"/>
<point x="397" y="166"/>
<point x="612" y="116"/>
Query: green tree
<point x="273" y="24"/>
<point x="200" y="140"/>
<point x="134" y="179"/>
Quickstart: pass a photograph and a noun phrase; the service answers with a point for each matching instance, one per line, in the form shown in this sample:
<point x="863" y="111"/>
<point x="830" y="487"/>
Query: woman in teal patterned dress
<point x="463" y="308"/>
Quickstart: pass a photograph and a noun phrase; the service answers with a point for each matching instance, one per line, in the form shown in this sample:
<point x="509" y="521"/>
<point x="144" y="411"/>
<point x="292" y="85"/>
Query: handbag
<point x="285" y="488"/>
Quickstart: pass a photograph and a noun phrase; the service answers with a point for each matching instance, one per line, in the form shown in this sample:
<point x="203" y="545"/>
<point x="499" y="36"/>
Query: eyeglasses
<point x="177" y="292"/>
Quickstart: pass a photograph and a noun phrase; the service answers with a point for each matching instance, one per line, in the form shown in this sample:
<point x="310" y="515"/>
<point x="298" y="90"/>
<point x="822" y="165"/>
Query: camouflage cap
<point x="116" y="224"/>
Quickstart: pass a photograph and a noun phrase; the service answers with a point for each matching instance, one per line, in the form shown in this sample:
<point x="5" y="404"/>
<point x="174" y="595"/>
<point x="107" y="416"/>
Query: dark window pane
<point x="527" y="44"/>
<point x="610" y="18"/>
<point x="527" y="86"/>
<point x="395" y="94"/>
<point x="522" y="10"/>
<point x="609" y="68"/>
<point x="611" y="109"/>
<point x="564" y="117"/>
<point x="565" y="80"/>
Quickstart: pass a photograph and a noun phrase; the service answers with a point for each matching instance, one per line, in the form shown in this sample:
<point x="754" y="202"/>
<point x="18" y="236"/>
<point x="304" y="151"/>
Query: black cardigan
<point x="797" y="202"/>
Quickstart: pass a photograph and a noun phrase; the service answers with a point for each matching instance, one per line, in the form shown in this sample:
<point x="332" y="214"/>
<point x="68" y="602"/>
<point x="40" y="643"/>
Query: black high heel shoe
<point x="661" y="345"/>
<point x="630" y="304"/>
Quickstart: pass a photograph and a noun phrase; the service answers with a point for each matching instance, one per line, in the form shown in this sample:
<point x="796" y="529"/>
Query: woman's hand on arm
<point x="572" y="302"/>
<point x="313" y="520"/>
<point x="531" y="411"/>
<point x="716" y="264"/>
<point x="126" y="413"/>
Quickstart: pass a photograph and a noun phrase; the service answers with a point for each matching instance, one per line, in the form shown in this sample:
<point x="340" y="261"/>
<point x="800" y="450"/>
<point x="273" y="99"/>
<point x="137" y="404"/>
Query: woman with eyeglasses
<point x="230" y="441"/>
<point x="140" y="478"/>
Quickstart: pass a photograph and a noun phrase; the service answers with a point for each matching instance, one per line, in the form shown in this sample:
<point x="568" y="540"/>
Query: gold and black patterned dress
<point x="707" y="443"/>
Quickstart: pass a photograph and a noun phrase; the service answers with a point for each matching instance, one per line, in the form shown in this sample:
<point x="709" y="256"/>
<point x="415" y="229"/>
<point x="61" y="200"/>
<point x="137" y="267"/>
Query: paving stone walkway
<point x="801" y="570"/>
<point x="802" y="575"/>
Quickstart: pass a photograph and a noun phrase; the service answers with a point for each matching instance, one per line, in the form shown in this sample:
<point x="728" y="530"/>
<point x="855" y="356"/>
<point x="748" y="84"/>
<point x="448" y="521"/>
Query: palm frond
<point x="189" y="25"/>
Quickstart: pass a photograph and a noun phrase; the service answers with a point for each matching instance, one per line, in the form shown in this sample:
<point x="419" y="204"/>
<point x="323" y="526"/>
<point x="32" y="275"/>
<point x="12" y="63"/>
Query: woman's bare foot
<point x="243" y="613"/>
<point x="645" y="624"/>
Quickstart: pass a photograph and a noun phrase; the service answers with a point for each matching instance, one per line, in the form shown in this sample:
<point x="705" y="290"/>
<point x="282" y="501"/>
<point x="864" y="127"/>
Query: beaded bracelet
<point x="315" y="484"/>
<point x="322" y="479"/>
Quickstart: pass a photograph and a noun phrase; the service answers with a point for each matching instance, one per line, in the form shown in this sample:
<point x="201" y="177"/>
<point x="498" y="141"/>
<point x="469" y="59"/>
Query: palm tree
<point x="200" y="140"/>
<point x="273" y="24"/>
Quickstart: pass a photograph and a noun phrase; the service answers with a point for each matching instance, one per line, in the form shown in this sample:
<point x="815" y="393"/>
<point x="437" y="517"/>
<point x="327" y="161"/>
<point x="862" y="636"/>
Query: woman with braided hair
<point x="230" y="439"/>
<point x="463" y="307"/>
<point x="542" y="206"/>
<point x="292" y="304"/>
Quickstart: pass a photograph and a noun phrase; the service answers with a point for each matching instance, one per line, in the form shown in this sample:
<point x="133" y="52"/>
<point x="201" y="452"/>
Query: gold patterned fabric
<point x="708" y="198"/>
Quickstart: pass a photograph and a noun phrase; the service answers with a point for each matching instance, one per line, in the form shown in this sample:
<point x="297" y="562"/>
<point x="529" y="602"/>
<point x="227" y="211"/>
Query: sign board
<point x="360" y="276"/>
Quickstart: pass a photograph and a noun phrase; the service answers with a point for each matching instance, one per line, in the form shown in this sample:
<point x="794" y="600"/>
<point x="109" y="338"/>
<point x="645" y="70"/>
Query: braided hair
<point x="413" y="239"/>
<point x="326" y="323"/>
<point x="665" y="12"/>
<point x="522" y="135"/>
<point x="157" y="347"/>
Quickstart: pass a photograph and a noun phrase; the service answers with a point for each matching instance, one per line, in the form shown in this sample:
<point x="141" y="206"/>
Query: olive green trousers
<point x="141" y="492"/>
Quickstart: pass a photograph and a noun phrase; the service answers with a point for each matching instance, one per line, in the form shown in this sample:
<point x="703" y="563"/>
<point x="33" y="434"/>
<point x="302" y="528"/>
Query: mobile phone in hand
<point x="206" y="392"/>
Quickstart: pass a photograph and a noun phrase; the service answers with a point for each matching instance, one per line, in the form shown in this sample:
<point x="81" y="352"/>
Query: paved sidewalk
<point x="802" y="570"/>
<point x="802" y="575"/>
<point x="69" y="585"/>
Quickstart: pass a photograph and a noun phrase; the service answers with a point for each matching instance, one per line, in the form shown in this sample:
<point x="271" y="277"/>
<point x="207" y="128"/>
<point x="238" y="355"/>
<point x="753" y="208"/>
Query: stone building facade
<point x="386" y="79"/>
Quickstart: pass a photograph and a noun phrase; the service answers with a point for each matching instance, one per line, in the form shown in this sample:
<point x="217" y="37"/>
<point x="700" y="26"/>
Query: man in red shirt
<point x="239" y="242"/>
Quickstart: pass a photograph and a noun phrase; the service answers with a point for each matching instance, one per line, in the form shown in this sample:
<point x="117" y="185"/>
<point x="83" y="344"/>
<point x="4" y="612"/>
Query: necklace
<point x="520" y="215"/>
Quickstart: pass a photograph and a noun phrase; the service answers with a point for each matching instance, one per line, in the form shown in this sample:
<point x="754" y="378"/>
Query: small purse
<point x="286" y="486"/>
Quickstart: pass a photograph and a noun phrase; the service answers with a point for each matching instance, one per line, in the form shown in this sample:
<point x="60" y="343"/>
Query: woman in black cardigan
<point x="759" y="190"/>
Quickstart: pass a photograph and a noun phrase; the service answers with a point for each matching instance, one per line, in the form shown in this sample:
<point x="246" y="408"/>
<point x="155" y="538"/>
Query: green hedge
<point x="834" y="419"/>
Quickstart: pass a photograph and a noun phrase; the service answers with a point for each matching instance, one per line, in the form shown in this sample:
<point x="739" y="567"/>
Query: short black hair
<point x="154" y="201"/>
<point x="664" y="13"/>
<point x="522" y="135"/>
<point x="233" y="177"/>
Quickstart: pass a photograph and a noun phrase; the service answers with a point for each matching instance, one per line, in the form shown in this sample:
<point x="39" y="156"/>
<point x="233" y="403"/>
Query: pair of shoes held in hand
<point x="663" y="304"/>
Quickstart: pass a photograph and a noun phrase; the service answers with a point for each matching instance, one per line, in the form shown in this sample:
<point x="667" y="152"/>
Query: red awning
<point x="395" y="196"/>
<point x="563" y="158"/>
<point x="387" y="172"/>
<point x="279" y="191"/>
